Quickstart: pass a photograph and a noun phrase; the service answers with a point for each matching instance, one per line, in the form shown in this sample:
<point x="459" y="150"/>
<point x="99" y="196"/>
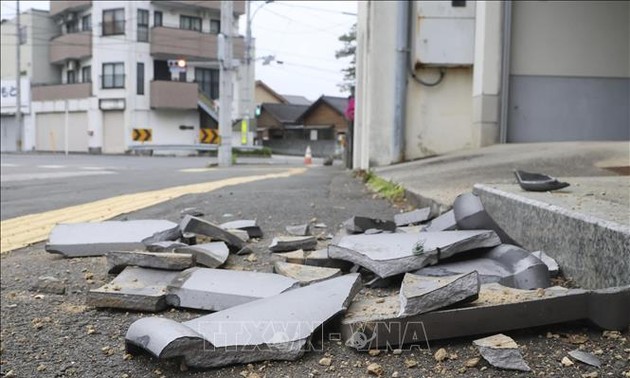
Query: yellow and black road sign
<point x="141" y="135"/>
<point x="209" y="136"/>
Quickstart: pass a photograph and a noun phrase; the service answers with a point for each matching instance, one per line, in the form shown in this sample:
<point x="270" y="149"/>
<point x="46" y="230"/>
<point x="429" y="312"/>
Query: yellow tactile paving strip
<point x="25" y="230"/>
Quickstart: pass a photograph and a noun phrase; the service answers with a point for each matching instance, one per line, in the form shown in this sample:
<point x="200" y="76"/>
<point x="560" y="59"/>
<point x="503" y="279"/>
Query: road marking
<point x="51" y="166"/>
<point x="93" y="168"/>
<point x="197" y="170"/>
<point x="29" y="229"/>
<point x="7" y="165"/>
<point x="50" y="175"/>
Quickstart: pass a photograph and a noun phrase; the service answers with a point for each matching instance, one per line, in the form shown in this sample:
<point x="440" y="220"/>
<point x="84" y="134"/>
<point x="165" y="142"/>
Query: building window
<point x="86" y="23"/>
<point x="157" y="18"/>
<point x="86" y="74"/>
<point x="140" y="78"/>
<point x="208" y="81"/>
<point x="71" y="77"/>
<point x="72" y="26"/>
<point x="113" y="21"/>
<point x="190" y="23"/>
<point x="143" y="25"/>
<point x="215" y="26"/>
<point x="113" y="75"/>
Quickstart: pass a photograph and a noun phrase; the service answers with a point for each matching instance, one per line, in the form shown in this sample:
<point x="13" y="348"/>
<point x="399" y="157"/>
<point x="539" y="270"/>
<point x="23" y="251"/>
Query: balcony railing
<point x="215" y="5"/>
<point x="61" y="91"/>
<point x="173" y="43"/>
<point x="70" y="46"/>
<point x="173" y="95"/>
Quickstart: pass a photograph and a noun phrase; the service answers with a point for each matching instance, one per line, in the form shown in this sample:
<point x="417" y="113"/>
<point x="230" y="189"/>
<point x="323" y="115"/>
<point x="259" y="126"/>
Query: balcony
<point x="173" y="43"/>
<point x="214" y="5"/>
<point x="58" y="7"/>
<point x="70" y="46"/>
<point x="61" y="91"/>
<point x="173" y="95"/>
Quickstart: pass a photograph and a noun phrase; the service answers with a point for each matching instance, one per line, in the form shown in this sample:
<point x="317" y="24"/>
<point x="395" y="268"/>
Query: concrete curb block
<point x="593" y="251"/>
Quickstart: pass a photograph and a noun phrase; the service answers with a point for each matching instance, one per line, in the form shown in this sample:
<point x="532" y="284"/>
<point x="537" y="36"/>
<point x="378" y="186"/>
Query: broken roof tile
<point x="249" y="225"/>
<point x="390" y="254"/>
<point x="135" y="288"/>
<point x="95" y="239"/>
<point x="219" y="289"/>
<point x="501" y="351"/>
<point x="292" y="243"/>
<point x="299" y="230"/>
<point x="212" y="255"/>
<point x="203" y="227"/>
<point x="424" y="294"/>
<point x="274" y="328"/>
<point x="507" y="264"/>
<point x="412" y="217"/>
<point x="358" y="224"/>
<point x="305" y="274"/>
<point x="372" y="322"/>
<point x="118" y="260"/>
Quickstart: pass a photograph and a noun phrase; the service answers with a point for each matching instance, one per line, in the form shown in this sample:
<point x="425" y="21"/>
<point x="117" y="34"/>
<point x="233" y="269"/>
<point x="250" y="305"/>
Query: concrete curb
<point x="593" y="251"/>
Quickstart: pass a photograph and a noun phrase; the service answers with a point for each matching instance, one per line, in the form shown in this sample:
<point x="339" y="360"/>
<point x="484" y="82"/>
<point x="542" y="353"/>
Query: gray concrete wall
<point x="549" y="109"/>
<point x="319" y="148"/>
<point x="570" y="71"/>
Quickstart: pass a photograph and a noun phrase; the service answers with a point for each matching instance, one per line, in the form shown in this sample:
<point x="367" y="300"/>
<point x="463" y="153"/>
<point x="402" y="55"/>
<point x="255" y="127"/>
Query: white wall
<point x="165" y="125"/>
<point x="376" y="54"/>
<point x="34" y="52"/>
<point x="487" y="72"/>
<point x="438" y="119"/>
<point x="575" y="38"/>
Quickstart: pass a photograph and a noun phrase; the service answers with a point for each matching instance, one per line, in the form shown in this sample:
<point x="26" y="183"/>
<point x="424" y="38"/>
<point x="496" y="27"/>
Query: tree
<point x="349" y="50"/>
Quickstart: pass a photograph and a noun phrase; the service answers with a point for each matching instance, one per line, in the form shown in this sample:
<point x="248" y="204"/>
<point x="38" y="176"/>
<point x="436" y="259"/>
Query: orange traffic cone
<point x="308" y="158"/>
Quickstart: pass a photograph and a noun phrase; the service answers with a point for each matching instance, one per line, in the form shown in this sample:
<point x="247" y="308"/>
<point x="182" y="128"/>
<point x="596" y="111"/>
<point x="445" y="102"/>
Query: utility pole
<point x="18" y="82"/>
<point x="248" y="61"/>
<point x="225" y="85"/>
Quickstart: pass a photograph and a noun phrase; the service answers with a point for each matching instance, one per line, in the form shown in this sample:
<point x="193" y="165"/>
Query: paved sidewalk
<point x="440" y="179"/>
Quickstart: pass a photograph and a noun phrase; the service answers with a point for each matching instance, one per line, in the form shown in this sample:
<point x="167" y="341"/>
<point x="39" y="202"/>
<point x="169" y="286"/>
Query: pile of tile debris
<point x="454" y="275"/>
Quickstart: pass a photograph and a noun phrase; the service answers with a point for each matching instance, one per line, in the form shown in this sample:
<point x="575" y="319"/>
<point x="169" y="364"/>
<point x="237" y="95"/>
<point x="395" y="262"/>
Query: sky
<point x="303" y="35"/>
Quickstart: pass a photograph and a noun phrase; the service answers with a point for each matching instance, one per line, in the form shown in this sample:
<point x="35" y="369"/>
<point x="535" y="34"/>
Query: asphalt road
<point x="50" y="335"/>
<point x="34" y="183"/>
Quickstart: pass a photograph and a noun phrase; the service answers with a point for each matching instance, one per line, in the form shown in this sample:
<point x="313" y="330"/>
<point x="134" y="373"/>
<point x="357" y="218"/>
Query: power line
<point x="323" y="30"/>
<point x="293" y="5"/>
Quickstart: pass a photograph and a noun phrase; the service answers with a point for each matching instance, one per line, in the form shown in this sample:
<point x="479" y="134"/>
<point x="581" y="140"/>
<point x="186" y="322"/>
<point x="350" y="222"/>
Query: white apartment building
<point x="36" y="29"/>
<point x="113" y="76"/>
